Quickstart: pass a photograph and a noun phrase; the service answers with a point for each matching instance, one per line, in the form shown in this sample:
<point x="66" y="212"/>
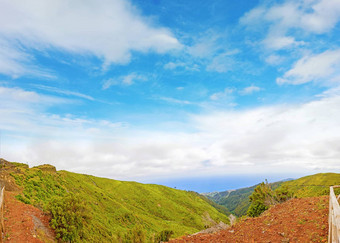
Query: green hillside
<point x="313" y="185"/>
<point x="236" y="201"/>
<point x="111" y="210"/>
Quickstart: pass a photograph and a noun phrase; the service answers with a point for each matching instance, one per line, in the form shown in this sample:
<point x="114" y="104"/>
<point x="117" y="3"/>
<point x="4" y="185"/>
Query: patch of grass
<point x="321" y="205"/>
<point x="302" y="221"/>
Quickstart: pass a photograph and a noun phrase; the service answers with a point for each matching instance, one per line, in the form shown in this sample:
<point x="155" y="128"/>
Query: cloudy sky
<point x="159" y="91"/>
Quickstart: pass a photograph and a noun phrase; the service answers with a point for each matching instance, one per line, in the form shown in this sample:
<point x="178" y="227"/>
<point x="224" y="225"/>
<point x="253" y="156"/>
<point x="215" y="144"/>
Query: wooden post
<point x="333" y="217"/>
<point x="2" y="226"/>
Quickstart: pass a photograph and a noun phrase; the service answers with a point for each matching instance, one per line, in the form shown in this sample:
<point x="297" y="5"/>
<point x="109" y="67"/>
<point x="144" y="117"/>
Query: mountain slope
<point x="237" y="201"/>
<point x="313" y="185"/>
<point x="115" y="209"/>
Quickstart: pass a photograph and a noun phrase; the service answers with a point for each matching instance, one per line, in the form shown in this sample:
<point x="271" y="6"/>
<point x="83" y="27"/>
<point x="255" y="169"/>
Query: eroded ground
<point x="25" y="223"/>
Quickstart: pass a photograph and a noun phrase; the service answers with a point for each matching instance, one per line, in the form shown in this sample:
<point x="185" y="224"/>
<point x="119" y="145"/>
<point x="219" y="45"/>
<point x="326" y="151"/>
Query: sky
<point x="181" y="93"/>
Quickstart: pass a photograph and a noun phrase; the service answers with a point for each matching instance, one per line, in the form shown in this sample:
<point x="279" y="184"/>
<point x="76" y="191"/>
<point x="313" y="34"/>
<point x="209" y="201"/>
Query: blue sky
<point x="160" y="91"/>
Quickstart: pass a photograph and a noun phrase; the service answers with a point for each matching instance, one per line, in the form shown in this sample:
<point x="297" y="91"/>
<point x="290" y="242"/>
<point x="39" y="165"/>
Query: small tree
<point x="263" y="197"/>
<point x="260" y="199"/>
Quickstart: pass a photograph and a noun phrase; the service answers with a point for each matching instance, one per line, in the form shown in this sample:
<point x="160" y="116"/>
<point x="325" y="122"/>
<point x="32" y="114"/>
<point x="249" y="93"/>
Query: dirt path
<point x="298" y="220"/>
<point x="25" y="223"/>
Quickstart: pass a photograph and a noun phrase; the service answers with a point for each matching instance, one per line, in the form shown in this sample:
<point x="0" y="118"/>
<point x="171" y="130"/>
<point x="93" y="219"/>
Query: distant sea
<point x="220" y="183"/>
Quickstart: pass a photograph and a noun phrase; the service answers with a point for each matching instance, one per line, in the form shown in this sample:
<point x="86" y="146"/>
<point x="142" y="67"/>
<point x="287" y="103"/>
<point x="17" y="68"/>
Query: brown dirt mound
<point x="297" y="220"/>
<point x="25" y="223"/>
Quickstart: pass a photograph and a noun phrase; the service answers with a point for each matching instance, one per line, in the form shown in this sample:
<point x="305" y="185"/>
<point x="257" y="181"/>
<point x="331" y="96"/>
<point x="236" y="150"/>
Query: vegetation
<point x="260" y="200"/>
<point x="309" y="186"/>
<point x="218" y="207"/>
<point x="313" y="185"/>
<point x="236" y="201"/>
<point x="91" y="209"/>
<point x="163" y="236"/>
<point x="264" y="196"/>
<point x="69" y="213"/>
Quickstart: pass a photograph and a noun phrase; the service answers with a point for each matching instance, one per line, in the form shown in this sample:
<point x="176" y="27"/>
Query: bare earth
<point x="25" y="223"/>
<point x="297" y="220"/>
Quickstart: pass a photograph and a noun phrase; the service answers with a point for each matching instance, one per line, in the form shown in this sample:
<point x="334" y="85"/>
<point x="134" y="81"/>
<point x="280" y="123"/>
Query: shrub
<point x="282" y="194"/>
<point x="263" y="197"/>
<point x="69" y="214"/>
<point x="256" y="208"/>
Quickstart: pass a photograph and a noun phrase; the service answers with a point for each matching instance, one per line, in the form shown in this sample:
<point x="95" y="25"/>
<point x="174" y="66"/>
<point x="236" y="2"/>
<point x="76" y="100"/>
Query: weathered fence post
<point x="333" y="217"/>
<point x="2" y="226"/>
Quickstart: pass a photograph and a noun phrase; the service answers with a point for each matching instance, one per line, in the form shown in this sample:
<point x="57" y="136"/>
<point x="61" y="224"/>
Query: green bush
<point x="263" y="197"/>
<point x="256" y="208"/>
<point x="69" y="214"/>
<point x="283" y="194"/>
<point x="260" y="199"/>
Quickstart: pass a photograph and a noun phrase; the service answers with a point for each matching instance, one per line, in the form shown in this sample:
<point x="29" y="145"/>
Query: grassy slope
<point x="117" y="206"/>
<point x="236" y="201"/>
<point x="313" y="185"/>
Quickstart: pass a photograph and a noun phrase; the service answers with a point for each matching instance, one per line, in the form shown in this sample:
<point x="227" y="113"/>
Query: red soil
<point x="25" y="223"/>
<point x="297" y="220"/>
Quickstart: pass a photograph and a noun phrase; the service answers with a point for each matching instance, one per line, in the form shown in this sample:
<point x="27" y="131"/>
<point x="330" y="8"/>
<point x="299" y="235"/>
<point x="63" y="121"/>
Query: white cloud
<point x="322" y="67"/>
<point x="253" y="18"/>
<point x="25" y="115"/>
<point x="209" y="50"/>
<point x="107" y="29"/>
<point x="131" y="78"/>
<point x="316" y="17"/>
<point x="324" y="16"/>
<point x="222" y="95"/>
<point x="110" y="82"/>
<point x="15" y="62"/>
<point x="204" y="46"/>
<point x="281" y="42"/>
<point x="249" y="90"/>
<point x="126" y="80"/>
<point x="221" y="64"/>
<point x="187" y="66"/>
<point x="64" y="92"/>
<point x="276" y="135"/>
<point x="274" y="59"/>
<point x="20" y="97"/>
<point x="267" y="139"/>
<point x="176" y="101"/>
<point x="173" y="65"/>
